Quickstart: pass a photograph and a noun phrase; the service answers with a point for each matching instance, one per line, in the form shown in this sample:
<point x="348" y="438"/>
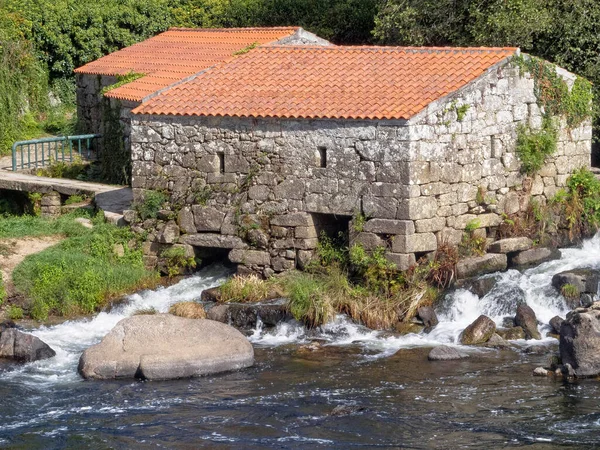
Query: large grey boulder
<point x="585" y="280"/>
<point x="526" y="319"/>
<point x="246" y="315"/>
<point x="23" y="347"/>
<point x="162" y="347"/>
<point x="479" y="332"/>
<point x="580" y="341"/>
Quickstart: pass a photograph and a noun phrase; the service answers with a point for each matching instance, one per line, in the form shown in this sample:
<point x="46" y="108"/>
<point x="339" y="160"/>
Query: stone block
<point x="369" y="241"/>
<point x="430" y="225"/>
<point x="417" y="208"/>
<point x="207" y="218"/>
<point x="169" y="234"/>
<point x="449" y="236"/>
<point x="51" y="199"/>
<point x="479" y="265"/>
<point x="185" y="220"/>
<point x="130" y="216"/>
<point x="250" y="257"/>
<point x="421" y="242"/>
<point x="380" y="207"/>
<point x="281" y="264"/>
<point x="293" y="220"/>
<point x="213" y="240"/>
<point x="512" y="203"/>
<point x="534" y="256"/>
<point x="290" y="189"/>
<point x="260" y="193"/>
<point x="510" y="245"/>
<point x="403" y="261"/>
<point x="305" y="232"/>
<point x="279" y="232"/>
<point x="387" y="226"/>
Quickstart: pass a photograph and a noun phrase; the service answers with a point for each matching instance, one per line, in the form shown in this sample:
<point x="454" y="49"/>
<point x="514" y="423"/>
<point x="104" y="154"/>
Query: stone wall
<point x="256" y="186"/>
<point x="91" y="107"/>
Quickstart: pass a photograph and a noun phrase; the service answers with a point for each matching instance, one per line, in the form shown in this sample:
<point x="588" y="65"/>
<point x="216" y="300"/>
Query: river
<point x="395" y="397"/>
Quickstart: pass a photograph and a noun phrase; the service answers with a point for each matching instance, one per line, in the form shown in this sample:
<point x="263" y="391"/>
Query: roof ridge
<point x="228" y="30"/>
<point x="424" y="49"/>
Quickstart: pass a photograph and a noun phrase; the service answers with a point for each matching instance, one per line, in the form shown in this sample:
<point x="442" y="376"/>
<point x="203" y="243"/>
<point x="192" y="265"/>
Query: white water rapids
<point x="69" y="339"/>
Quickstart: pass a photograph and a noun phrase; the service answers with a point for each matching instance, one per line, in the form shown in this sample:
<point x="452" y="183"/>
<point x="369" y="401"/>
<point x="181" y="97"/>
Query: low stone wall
<point x="265" y="188"/>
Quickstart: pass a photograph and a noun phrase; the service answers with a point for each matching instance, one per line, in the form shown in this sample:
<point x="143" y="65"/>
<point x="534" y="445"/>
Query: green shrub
<point x="73" y="199"/>
<point x="533" y="147"/>
<point x="151" y="203"/>
<point x="472" y="245"/>
<point x="308" y="300"/>
<point x="176" y="260"/>
<point x="15" y="313"/>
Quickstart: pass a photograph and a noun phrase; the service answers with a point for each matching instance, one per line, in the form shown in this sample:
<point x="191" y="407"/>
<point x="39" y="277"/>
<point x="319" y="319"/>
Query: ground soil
<point x="14" y="250"/>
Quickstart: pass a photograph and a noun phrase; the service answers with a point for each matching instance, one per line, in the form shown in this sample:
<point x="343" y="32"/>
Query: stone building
<point x="400" y="147"/>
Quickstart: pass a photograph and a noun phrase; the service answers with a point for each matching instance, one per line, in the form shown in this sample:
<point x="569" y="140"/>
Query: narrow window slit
<point x="322" y="157"/>
<point x="221" y="162"/>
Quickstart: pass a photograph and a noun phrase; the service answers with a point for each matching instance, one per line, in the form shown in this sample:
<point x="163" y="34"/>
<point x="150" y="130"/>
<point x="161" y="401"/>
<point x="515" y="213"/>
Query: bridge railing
<point x="39" y="152"/>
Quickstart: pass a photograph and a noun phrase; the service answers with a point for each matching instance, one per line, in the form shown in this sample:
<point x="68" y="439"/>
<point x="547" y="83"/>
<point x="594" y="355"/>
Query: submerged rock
<point x="541" y="372"/>
<point x="428" y="316"/>
<point x="162" y="346"/>
<point x="346" y="410"/>
<point x="496" y="341"/>
<point x="479" y="332"/>
<point x="408" y="327"/>
<point x="526" y="319"/>
<point x="445" y="353"/>
<point x="23" y="347"/>
<point x="580" y="341"/>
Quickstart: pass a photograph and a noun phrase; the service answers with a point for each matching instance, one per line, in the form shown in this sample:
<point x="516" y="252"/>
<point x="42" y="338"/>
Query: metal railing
<point x="39" y="152"/>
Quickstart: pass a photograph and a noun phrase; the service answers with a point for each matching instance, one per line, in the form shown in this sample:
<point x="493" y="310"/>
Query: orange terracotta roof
<point x="327" y="82"/>
<point x="175" y="55"/>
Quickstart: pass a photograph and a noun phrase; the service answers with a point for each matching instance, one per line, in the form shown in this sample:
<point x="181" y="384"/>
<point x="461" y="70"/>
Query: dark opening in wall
<point x="221" y="162"/>
<point x="209" y="256"/>
<point x="333" y="226"/>
<point x="322" y="157"/>
<point x="595" y="147"/>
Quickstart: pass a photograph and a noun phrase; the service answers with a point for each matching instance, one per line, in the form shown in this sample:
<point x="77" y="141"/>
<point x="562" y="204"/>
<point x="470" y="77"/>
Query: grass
<point x="15" y="313"/>
<point x="188" y="310"/>
<point x="2" y="291"/>
<point x="248" y="289"/>
<point x="569" y="291"/>
<point x="80" y="274"/>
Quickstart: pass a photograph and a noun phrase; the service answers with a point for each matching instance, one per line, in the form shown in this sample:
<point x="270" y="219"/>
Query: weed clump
<point x="150" y="204"/>
<point x="188" y="310"/>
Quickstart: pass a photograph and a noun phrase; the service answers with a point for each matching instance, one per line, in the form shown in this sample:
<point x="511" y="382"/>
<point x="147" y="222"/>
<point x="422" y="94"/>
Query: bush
<point x="15" y="313"/>
<point x="176" y="261"/>
<point x="150" y="204"/>
<point x="569" y="291"/>
<point x="472" y="245"/>
<point x="533" y="147"/>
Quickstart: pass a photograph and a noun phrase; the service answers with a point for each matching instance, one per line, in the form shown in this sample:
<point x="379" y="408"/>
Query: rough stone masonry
<point x="266" y="188"/>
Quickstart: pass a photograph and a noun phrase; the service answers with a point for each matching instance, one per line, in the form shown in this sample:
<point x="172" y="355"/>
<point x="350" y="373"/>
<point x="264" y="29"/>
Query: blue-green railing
<point x="39" y="152"/>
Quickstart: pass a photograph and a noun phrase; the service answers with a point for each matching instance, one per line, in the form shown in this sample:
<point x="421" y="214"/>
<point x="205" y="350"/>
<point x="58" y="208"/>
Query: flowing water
<point x="394" y="397"/>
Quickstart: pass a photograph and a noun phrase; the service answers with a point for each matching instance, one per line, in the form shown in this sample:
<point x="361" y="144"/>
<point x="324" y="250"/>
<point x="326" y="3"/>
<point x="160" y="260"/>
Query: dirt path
<point x="14" y="250"/>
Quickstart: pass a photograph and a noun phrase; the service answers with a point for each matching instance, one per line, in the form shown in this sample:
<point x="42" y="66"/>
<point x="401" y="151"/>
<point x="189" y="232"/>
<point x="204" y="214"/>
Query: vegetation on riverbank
<point x="81" y="273"/>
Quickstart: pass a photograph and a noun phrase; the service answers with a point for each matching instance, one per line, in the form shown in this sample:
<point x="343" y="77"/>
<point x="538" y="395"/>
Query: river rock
<point x="556" y="323"/>
<point x="480" y="265"/>
<point x="526" y="319"/>
<point x="585" y="280"/>
<point x="533" y="257"/>
<point x="408" y="327"/>
<point x="428" y="316"/>
<point x="479" y="286"/>
<point x="479" y="332"/>
<point x="580" y="341"/>
<point x="210" y="295"/>
<point x="162" y="347"/>
<point x="510" y="245"/>
<point x="496" y="341"/>
<point x="512" y="334"/>
<point x="540" y="372"/>
<point x="23" y="347"/>
<point x="445" y="353"/>
<point x="586" y="300"/>
<point x="245" y="315"/>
